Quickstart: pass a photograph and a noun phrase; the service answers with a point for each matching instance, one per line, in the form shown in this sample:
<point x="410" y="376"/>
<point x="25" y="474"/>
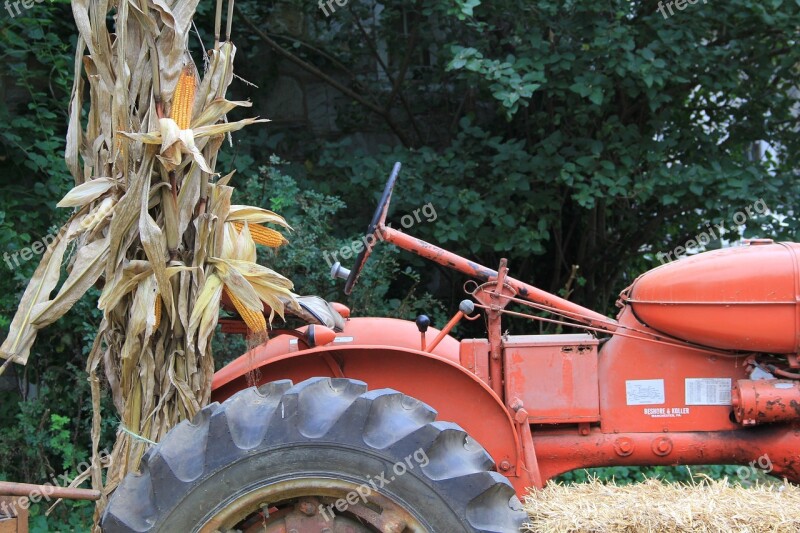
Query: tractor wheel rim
<point x="308" y="505"/>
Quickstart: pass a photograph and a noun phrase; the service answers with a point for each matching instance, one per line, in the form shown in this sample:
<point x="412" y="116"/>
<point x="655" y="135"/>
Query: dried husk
<point x="151" y="221"/>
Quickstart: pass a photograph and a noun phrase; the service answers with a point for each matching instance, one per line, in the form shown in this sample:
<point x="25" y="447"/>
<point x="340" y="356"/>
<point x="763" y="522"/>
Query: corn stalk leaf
<point x="155" y="247"/>
<point x="22" y="333"/>
<point x="255" y="215"/>
<point x="86" y="269"/>
<point x="86" y="193"/>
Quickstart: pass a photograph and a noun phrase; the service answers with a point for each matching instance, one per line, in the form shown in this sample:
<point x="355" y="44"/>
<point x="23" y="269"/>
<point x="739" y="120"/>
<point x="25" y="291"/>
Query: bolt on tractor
<point x="377" y="424"/>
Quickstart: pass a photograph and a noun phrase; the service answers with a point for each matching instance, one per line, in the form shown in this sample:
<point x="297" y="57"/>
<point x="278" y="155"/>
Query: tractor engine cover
<point x="764" y="401"/>
<point x="745" y="298"/>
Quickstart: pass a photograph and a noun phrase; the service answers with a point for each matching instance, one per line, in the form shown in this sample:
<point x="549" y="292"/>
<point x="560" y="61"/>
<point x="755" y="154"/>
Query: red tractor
<point x="378" y="424"/>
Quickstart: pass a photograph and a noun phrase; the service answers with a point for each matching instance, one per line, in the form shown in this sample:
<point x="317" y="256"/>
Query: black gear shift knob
<point x="423" y="322"/>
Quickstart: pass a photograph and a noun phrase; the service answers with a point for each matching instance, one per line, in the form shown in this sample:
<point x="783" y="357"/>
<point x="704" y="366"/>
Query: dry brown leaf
<point x="87" y="268"/>
<point x="21" y="332"/>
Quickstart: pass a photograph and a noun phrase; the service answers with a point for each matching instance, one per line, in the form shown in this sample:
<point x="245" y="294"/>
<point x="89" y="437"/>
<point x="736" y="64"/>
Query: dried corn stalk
<point x="152" y="225"/>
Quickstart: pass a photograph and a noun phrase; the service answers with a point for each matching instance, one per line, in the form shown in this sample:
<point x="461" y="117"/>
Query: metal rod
<point x="445" y="330"/>
<point x="480" y="272"/>
<point x="7" y="488"/>
<point x="656" y="337"/>
<point x="616" y="333"/>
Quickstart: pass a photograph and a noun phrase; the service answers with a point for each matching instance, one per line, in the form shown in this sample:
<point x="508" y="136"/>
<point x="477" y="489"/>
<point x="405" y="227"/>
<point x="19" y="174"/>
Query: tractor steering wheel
<point x="377" y="220"/>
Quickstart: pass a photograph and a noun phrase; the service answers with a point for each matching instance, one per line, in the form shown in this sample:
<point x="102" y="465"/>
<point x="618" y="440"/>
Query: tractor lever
<point x="465" y="308"/>
<point x="339" y="272"/>
<point x="422" y="322"/>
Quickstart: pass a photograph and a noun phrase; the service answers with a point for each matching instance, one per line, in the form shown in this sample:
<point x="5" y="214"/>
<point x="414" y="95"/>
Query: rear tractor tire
<point x="324" y="455"/>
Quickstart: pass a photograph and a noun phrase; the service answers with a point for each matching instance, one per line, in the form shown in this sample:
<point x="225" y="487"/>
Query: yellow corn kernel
<point x="263" y="235"/>
<point x="158" y="312"/>
<point x="255" y="320"/>
<point x="183" y="99"/>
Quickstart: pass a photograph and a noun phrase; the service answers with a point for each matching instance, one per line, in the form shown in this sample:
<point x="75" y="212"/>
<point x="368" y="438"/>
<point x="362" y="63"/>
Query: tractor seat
<point x="316" y="310"/>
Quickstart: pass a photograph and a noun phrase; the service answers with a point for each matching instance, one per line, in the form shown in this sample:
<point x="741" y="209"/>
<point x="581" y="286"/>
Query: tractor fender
<point x="455" y="393"/>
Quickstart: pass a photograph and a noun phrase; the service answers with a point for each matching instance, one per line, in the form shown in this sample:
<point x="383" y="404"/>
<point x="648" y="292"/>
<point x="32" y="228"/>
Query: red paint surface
<point x="743" y="298"/>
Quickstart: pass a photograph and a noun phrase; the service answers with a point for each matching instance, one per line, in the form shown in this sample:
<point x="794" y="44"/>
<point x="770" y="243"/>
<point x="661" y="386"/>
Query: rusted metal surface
<point x="559" y="452"/>
<point x="309" y="505"/>
<point x="766" y="401"/>
<point x="8" y="488"/>
<point x="531" y="464"/>
<point x="16" y="497"/>
<point x="554" y="375"/>
<point x="490" y="296"/>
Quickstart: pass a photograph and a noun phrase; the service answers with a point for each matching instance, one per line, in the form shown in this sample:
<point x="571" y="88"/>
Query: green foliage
<point x="37" y="79"/>
<point x="45" y="413"/>
<point x="623" y="475"/>
<point x="591" y="134"/>
<point x="46" y="429"/>
<point x="384" y="289"/>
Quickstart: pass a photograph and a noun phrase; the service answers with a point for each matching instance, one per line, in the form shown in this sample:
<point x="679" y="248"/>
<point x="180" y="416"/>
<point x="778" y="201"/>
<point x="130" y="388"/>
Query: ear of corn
<point x="157" y="312"/>
<point x="183" y="99"/>
<point x="120" y="230"/>
<point x="98" y="214"/>
<point x="263" y="235"/>
<point x="255" y="320"/>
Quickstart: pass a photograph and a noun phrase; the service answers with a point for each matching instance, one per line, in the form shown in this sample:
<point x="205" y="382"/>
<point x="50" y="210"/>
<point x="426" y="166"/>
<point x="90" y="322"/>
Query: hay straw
<point x="654" y="506"/>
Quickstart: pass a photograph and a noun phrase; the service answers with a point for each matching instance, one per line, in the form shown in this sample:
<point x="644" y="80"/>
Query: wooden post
<point x="13" y="517"/>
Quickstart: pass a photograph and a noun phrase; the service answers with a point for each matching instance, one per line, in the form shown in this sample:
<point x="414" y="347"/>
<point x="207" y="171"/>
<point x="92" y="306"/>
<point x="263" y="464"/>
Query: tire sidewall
<point x="268" y="466"/>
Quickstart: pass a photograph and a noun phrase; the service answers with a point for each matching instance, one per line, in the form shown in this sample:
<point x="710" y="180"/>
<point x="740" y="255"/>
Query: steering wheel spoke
<point x="377" y="221"/>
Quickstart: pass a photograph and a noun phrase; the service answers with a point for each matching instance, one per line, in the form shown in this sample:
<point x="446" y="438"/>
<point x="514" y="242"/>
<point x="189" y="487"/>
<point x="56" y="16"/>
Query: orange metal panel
<point x="555" y="377"/>
<point x="560" y="451"/>
<point x="742" y="298"/>
<point x="649" y="387"/>
<point x="475" y="357"/>
<point x="400" y="334"/>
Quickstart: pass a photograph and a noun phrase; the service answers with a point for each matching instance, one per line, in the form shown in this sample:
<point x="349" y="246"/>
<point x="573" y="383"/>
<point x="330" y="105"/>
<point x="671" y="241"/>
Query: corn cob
<point x="97" y="215"/>
<point x="263" y="235"/>
<point x="158" y="312"/>
<point x="183" y="99"/>
<point x="255" y="320"/>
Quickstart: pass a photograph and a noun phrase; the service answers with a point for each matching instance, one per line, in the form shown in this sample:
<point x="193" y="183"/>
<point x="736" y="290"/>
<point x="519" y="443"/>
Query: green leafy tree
<point x="555" y="133"/>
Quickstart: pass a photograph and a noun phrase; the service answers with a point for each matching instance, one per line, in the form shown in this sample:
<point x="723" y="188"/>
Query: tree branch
<point x="311" y="69"/>
<point x="396" y="83"/>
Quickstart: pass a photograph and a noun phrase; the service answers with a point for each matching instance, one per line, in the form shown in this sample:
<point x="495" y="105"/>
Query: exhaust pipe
<point x="765" y="401"/>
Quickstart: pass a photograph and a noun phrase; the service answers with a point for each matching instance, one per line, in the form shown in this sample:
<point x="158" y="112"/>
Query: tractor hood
<point x="744" y="298"/>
